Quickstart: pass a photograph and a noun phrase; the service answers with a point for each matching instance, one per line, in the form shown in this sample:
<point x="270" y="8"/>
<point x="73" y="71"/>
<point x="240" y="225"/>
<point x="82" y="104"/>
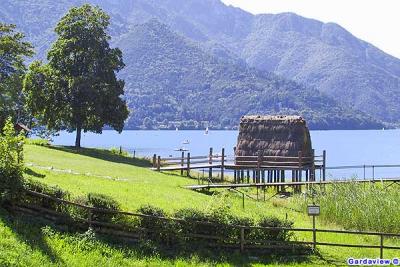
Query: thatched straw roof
<point x="273" y="136"/>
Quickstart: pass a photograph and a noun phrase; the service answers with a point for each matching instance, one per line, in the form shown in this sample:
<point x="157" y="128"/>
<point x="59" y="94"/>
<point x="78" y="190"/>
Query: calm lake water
<point x="343" y="147"/>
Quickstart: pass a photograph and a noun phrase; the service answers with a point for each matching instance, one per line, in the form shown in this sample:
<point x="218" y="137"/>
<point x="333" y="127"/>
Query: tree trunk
<point x="78" y="136"/>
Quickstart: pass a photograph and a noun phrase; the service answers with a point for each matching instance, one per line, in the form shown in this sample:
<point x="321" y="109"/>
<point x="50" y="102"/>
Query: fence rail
<point x="242" y="242"/>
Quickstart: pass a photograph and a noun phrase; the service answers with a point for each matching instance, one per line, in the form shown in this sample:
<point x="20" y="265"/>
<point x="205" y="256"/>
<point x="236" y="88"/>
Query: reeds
<point x="372" y="206"/>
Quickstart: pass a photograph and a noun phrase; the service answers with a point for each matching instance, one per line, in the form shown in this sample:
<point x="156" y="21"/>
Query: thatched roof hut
<point x="273" y="136"/>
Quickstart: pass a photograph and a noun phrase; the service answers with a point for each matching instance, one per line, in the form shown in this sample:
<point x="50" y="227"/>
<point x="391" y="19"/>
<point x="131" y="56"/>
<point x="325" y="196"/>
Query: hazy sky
<point x="375" y="21"/>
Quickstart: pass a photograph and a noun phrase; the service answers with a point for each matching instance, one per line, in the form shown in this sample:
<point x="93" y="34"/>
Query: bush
<point x="11" y="163"/>
<point x="117" y="151"/>
<point x="53" y="191"/>
<point x="37" y="141"/>
<point x="101" y="201"/>
<point x="219" y="224"/>
<point x="160" y="230"/>
<point x="272" y="234"/>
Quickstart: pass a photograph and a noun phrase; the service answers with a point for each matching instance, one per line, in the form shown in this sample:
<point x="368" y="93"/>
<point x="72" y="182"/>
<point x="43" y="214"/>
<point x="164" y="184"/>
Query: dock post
<point x="300" y="169"/>
<point x="188" y="164"/>
<point x="154" y="161"/>
<point x="222" y="164"/>
<point x="210" y="155"/>
<point x="158" y="163"/>
<point x="182" y="162"/>
<point x="259" y="160"/>
<point x="324" y="165"/>
<point x="312" y="174"/>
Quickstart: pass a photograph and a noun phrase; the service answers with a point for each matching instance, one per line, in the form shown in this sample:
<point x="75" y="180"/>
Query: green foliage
<point x="160" y="230"/>
<point x="53" y="191"/>
<point x="118" y="151"/>
<point x="13" y="52"/>
<point x="78" y="88"/>
<point x="37" y="141"/>
<point x="11" y="162"/>
<point x="101" y="201"/>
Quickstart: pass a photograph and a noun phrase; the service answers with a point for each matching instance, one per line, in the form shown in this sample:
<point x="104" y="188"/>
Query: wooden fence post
<point x="314" y="235"/>
<point x="182" y="162"/>
<point x="210" y="155"/>
<point x="188" y="164"/>
<point x="154" y="160"/>
<point x="323" y="165"/>
<point x="242" y="240"/>
<point x="222" y="163"/>
<point x="90" y="217"/>
<point x="381" y="247"/>
<point x="158" y="163"/>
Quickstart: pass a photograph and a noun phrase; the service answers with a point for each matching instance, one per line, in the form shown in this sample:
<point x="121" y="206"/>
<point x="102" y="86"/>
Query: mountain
<point x="170" y="79"/>
<point x="322" y="57"/>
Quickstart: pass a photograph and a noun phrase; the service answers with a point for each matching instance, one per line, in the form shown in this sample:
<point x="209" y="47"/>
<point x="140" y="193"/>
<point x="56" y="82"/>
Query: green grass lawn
<point x="132" y="184"/>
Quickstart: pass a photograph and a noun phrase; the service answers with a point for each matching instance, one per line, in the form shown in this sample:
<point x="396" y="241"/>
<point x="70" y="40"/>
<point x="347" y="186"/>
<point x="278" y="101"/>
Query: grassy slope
<point x="140" y="186"/>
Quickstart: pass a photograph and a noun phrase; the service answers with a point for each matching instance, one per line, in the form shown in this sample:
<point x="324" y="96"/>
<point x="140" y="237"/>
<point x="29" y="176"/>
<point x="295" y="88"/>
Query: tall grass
<point x="372" y="206"/>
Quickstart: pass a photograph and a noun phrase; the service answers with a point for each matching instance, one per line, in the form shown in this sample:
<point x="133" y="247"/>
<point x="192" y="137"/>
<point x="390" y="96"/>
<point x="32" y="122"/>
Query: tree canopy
<point x="13" y="51"/>
<point x="78" y="89"/>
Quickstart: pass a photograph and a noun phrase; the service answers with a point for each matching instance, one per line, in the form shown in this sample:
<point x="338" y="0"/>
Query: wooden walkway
<point x="192" y="166"/>
<point x="216" y="186"/>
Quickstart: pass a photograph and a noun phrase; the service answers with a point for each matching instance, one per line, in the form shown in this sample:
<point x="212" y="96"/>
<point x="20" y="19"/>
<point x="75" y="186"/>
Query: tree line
<point x="76" y="89"/>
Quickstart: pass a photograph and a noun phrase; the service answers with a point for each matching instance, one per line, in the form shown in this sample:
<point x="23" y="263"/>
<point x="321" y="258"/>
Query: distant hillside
<point x="320" y="56"/>
<point x="170" y="79"/>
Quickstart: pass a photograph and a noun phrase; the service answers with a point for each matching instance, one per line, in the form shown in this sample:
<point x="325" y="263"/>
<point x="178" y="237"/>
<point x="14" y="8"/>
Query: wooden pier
<point x="304" y="183"/>
<point x="262" y="171"/>
<point x="246" y="169"/>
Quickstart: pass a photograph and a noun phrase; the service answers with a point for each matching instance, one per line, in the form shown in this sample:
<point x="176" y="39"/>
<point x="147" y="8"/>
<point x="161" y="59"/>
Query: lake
<point x="343" y="147"/>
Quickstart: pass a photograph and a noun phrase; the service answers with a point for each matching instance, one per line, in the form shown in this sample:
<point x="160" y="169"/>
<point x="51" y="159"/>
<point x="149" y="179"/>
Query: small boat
<point x="181" y="149"/>
<point x="206" y="132"/>
<point x="185" y="142"/>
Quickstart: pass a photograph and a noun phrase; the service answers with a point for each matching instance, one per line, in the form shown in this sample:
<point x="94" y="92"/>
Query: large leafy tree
<point x="13" y="51"/>
<point x="77" y="90"/>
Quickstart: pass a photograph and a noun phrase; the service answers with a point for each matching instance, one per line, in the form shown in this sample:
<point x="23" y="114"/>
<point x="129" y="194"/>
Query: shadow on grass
<point x="104" y="154"/>
<point x="31" y="172"/>
<point x="29" y="231"/>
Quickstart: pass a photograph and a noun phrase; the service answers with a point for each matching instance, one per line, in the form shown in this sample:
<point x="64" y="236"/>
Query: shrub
<point x="37" y="141"/>
<point x="77" y="212"/>
<point x="11" y="163"/>
<point x="117" y="151"/>
<point x="272" y="234"/>
<point x="159" y="230"/>
<point x="53" y="191"/>
<point x="101" y="201"/>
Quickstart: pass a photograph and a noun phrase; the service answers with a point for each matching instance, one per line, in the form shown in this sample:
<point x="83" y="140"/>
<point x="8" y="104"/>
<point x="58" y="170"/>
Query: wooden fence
<point x="242" y="242"/>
